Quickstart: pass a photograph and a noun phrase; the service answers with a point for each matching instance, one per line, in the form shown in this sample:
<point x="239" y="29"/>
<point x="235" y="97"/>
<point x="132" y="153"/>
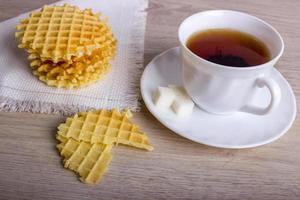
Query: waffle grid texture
<point x="81" y="72"/>
<point x="59" y="32"/>
<point x="86" y="139"/>
<point x="68" y="47"/>
<point x="102" y="126"/>
<point x="90" y="161"/>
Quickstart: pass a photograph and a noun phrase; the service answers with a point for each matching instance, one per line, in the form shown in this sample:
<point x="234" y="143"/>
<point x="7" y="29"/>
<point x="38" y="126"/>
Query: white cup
<point x="223" y="89"/>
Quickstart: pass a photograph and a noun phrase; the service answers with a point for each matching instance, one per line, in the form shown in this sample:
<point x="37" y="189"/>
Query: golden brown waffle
<point x="58" y="33"/>
<point x="79" y="73"/>
<point x="90" y="161"/>
<point x="87" y="138"/>
<point x="103" y="126"/>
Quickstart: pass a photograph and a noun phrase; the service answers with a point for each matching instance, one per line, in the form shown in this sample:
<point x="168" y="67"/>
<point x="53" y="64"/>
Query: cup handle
<point x="275" y="97"/>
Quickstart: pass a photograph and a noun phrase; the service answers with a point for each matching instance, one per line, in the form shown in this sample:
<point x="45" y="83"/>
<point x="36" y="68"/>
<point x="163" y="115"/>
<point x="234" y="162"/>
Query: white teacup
<point x="223" y="89"/>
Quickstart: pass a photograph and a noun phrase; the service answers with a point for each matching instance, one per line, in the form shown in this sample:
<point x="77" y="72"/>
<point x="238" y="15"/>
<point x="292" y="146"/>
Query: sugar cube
<point x="164" y="97"/>
<point x="182" y="104"/>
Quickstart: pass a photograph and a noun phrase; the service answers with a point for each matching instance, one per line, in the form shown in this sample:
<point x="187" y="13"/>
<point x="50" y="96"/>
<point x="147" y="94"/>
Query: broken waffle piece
<point x="86" y="140"/>
<point x="88" y="160"/>
<point x="103" y="126"/>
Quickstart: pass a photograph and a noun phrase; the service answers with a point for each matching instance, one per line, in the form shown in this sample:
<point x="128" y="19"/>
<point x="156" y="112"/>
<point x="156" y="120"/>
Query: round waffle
<point x="79" y="73"/>
<point x="58" y="33"/>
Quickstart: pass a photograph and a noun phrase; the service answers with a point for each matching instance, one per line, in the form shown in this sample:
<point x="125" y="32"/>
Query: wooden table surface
<point x="30" y="167"/>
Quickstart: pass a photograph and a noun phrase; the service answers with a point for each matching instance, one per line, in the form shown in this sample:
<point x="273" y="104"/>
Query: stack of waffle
<point x="67" y="47"/>
<point x="86" y="139"/>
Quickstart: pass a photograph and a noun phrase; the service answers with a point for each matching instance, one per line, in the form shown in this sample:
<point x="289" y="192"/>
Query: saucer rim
<point x="277" y="136"/>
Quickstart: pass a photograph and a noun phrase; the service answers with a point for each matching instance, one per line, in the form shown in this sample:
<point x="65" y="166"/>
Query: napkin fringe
<point x="12" y="105"/>
<point x="137" y="56"/>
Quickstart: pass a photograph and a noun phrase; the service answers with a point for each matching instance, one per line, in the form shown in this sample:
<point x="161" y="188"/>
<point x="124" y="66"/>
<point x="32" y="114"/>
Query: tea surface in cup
<point x="228" y="47"/>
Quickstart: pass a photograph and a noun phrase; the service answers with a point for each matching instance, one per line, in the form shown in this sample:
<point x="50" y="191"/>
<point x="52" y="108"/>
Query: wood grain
<point x="30" y="167"/>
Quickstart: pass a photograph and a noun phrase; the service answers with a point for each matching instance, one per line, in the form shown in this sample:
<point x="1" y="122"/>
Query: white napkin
<point x="21" y="91"/>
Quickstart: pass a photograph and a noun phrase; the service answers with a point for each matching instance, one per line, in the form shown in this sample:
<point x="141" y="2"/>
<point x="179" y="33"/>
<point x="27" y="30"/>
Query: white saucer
<point x="240" y="130"/>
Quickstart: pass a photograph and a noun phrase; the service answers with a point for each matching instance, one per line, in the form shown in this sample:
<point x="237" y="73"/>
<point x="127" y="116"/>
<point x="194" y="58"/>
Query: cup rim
<point x="266" y="64"/>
